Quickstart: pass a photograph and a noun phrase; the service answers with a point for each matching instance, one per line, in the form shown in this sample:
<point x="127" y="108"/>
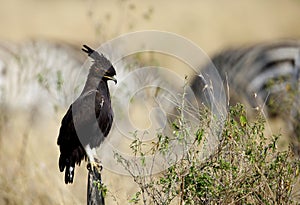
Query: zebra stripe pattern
<point x="262" y="76"/>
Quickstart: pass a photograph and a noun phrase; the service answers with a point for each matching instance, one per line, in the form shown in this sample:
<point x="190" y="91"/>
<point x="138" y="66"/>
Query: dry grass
<point x="29" y="171"/>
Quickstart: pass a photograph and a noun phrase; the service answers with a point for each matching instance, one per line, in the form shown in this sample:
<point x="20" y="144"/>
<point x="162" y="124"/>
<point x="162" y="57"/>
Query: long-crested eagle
<point x="88" y="119"/>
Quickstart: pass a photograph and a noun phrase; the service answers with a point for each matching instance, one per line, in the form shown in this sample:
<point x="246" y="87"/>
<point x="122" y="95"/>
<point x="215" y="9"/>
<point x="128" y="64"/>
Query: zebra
<point x="264" y="77"/>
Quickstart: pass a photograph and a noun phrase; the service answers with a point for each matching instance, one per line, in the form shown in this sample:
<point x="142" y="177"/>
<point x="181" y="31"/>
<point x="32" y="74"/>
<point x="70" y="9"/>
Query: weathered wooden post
<point x="94" y="188"/>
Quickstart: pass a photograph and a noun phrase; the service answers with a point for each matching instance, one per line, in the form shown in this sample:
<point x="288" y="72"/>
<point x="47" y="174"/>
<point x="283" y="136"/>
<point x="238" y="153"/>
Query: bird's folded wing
<point x="87" y="108"/>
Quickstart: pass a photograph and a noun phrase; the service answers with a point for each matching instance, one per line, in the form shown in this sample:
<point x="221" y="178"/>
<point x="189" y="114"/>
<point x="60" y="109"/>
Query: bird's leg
<point x="95" y="166"/>
<point x="94" y="163"/>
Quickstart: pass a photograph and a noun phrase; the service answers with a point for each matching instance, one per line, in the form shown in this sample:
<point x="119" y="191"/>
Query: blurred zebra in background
<point x="264" y="77"/>
<point x="39" y="74"/>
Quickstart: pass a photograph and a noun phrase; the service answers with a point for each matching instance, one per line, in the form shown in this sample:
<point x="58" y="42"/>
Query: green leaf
<point x="243" y="120"/>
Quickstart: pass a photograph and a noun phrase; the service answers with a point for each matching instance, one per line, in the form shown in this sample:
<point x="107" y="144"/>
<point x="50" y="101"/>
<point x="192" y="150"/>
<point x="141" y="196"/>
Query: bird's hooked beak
<point x="111" y="78"/>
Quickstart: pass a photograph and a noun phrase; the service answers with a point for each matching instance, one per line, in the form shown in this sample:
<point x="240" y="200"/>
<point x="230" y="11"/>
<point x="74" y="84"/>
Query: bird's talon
<point x="95" y="166"/>
<point x="88" y="166"/>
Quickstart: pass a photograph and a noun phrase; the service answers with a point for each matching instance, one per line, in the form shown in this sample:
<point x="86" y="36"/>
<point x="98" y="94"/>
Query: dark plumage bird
<point x="89" y="119"/>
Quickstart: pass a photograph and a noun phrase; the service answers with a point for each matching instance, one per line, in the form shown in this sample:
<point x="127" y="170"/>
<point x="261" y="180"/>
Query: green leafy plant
<point x="246" y="168"/>
<point x="101" y="187"/>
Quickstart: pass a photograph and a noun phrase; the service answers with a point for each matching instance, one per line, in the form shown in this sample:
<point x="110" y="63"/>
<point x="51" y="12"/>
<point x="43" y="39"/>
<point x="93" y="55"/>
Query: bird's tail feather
<point x="69" y="174"/>
<point x="67" y="161"/>
<point x="69" y="167"/>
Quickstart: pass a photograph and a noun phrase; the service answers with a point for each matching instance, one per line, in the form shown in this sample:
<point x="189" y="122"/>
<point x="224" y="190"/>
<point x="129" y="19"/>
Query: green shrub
<point x="246" y="168"/>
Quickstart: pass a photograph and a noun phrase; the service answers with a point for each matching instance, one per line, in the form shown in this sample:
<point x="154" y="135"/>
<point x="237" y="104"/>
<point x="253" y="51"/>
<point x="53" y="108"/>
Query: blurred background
<point x="40" y="43"/>
<point x="212" y="25"/>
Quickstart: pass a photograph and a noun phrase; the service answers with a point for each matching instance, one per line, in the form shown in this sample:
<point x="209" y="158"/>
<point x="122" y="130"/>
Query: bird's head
<point x="101" y="67"/>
